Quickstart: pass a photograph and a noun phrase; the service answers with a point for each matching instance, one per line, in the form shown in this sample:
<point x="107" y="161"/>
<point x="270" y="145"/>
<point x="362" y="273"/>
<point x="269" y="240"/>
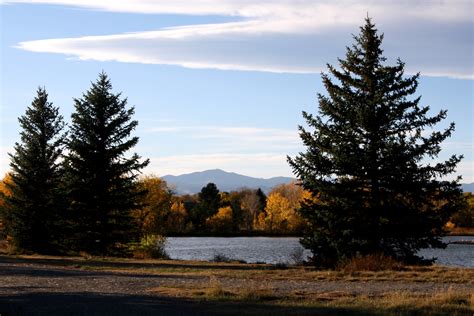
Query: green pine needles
<point x="101" y="178"/>
<point x="36" y="206"/>
<point x="367" y="161"/>
<point x="81" y="200"/>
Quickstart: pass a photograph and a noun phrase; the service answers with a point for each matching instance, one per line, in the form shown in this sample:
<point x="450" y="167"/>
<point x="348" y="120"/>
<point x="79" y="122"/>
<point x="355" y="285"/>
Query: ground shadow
<point x="44" y="303"/>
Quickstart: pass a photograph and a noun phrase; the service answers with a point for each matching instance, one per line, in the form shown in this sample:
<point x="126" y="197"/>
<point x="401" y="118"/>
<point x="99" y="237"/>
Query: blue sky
<point x="222" y="83"/>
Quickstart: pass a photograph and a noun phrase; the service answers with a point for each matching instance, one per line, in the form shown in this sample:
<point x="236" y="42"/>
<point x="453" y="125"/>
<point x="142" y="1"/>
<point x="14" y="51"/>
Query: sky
<point x="222" y="83"/>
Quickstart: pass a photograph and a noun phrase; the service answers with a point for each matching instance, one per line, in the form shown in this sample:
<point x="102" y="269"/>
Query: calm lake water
<point x="282" y="250"/>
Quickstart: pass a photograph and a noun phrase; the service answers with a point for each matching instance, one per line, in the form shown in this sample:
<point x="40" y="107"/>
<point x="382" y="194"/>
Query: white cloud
<point x="263" y="165"/>
<point x="342" y="11"/>
<point x="434" y="37"/>
<point x="226" y="131"/>
<point x="5" y="160"/>
<point x="466" y="168"/>
<point x="237" y="139"/>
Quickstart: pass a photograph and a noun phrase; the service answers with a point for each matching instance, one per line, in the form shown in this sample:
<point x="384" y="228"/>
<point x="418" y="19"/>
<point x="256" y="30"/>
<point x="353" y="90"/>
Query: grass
<point x="215" y="282"/>
<point x="396" y="303"/>
<point x="256" y="272"/>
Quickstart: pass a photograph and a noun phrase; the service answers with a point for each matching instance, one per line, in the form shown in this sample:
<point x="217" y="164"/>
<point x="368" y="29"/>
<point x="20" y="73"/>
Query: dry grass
<point x="452" y="302"/>
<point x="374" y="262"/>
<point x="259" y="272"/>
<point x="214" y="289"/>
<point x="217" y="282"/>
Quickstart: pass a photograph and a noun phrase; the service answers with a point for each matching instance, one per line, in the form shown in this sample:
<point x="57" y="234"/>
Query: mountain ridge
<point x="191" y="183"/>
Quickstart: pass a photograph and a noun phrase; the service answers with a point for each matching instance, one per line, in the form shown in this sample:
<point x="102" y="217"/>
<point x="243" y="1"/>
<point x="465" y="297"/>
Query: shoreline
<point x="468" y="232"/>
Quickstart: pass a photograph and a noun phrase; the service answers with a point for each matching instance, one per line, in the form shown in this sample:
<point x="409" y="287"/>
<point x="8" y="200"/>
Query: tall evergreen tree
<point x="368" y="162"/>
<point x="101" y="174"/>
<point x="262" y="200"/>
<point x="34" y="214"/>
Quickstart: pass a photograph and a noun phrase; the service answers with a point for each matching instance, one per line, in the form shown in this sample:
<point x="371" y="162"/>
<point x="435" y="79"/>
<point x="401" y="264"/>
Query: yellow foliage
<point x="221" y="221"/>
<point x="177" y="218"/>
<point x="4" y="189"/>
<point x="450" y="225"/>
<point x="150" y="218"/>
<point x="281" y="211"/>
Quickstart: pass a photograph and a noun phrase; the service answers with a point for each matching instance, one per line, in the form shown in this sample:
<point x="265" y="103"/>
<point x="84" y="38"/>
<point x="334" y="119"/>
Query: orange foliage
<point x="156" y="206"/>
<point x="4" y="189"/>
<point x="222" y="221"/>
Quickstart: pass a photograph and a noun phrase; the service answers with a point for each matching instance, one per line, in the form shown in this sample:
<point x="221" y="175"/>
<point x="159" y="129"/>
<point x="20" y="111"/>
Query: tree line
<point x="244" y="212"/>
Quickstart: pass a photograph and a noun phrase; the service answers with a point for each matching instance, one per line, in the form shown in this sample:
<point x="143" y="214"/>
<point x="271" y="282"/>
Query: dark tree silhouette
<point x="33" y="211"/>
<point x="208" y="204"/>
<point x="101" y="172"/>
<point x="368" y="162"/>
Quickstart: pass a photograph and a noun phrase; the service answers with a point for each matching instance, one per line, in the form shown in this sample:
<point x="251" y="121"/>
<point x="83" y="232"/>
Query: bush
<point x="373" y="262"/>
<point x="150" y="247"/>
<point x="281" y="265"/>
<point x="219" y="257"/>
<point x="297" y="256"/>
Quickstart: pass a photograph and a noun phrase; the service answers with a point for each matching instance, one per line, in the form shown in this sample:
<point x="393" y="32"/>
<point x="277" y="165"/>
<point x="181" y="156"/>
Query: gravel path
<point x="29" y="287"/>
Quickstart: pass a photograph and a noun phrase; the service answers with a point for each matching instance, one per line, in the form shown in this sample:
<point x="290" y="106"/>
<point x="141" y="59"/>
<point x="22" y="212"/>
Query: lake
<point x="284" y="249"/>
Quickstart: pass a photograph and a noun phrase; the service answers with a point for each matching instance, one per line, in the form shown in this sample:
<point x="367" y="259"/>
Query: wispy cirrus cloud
<point x="434" y="37"/>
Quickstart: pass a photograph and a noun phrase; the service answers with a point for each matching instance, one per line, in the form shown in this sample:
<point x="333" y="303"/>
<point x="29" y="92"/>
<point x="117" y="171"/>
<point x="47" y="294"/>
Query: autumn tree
<point x="221" y="222"/>
<point x="5" y="192"/>
<point x="155" y="205"/>
<point x="177" y="220"/>
<point x="34" y="207"/>
<point x="465" y="216"/>
<point x="101" y="171"/>
<point x="281" y="211"/>
<point x="368" y="158"/>
<point x="275" y="218"/>
<point x="250" y="204"/>
<point x="233" y="200"/>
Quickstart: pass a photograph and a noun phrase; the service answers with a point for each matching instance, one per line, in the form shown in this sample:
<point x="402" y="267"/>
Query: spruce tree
<point x="208" y="205"/>
<point x="34" y="209"/>
<point x="370" y="162"/>
<point x="101" y="172"/>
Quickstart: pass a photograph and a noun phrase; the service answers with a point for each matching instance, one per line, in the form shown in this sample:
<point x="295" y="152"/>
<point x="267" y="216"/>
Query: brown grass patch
<point x="373" y="262"/>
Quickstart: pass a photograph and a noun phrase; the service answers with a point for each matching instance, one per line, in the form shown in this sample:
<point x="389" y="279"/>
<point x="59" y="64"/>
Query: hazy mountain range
<point x="225" y="181"/>
<point x="468" y="187"/>
<point x="228" y="181"/>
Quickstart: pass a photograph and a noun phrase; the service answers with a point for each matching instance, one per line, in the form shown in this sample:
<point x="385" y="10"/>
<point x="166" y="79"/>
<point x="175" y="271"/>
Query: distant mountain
<point x="468" y="187"/>
<point x="225" y="181"/>
<point x="229" y="181"/>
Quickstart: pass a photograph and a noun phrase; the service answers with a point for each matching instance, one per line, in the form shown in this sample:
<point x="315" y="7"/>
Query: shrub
<point x="150" y="246"/>
<point x="297" y="255"/>
<point x="281" y="265"/>
<point x="219" y="257"/>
